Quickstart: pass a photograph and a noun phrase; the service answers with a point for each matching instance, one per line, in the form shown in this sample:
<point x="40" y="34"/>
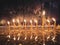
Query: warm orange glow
<point x="31" y="37"/>
<point x="18" y="34"/>
<point x="18" y="20"/>
<point x="25" y="20"/>
<point x="8" y="22"/>
<point x="3" y="21"/>
<point x="48" y="20"/>
<point x="13" y="20"/>
<point x="35" y="21"/>
<point x="36" y="38"/>
<point x="53" y="19"/>
<point x="53" y="39"/>
<point x="35" y="29"/>
<point x="14" y="38"/>
<point x="43" y="43"/>
<point x="8" y="36"/>
<point x="48" y="37"/>
<point x="30" y="21"/>
<point x="43" y="12"/>
<point x="18" y="38"/>
<point x="25" y="38"/>
<point x="20" y="44"/>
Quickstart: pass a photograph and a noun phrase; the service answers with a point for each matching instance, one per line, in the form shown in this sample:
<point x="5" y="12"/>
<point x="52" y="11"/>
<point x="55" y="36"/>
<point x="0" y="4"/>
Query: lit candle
<point x="48" y="24"/>
<point x="18" y="21"/>
<point x="25" y="23"/>
<point x="36" y="23"/>
<point x="13" y="21"/>
<point x="54" y="22"/>
<point x="54" y="26"/>
<point x="31" y="24"/>
<point x="43" y="19"/>
<point x="25" y="38"/>
<point x="43" y="13"/>
<point x="8" y="25"/>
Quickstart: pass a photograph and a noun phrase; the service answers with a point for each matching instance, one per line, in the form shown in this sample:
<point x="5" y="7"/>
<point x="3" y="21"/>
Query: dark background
<point x="10" y="8"/>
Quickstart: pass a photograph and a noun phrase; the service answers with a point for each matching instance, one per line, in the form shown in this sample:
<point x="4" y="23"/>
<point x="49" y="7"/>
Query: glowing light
<point x="13" y="20"/>
<point x="43" y="43"/>
<point x="8" y="22"/>
<point x="20" y="44"/>
<point x="25" y="20"/>
<point x="48" y="37"/>
<point x="14" y="38"/>
<point x="18" y="38"/>
<point x="53" y="19"/>
<point x="43" y="34"/>
<point x="3" y="21"/>
<point x="36" y="38"/>
<point x="25" y="38"/>
<point x="43" y="12"/>
<point x="48" y="20"/>
<point x="35" y="21"/>
<point x="18" y="20"/>
<point x="53" y="39"/>
<point x="30" y="21"/>
<point x="8" y="36"/>
<point x="31" y="37"/>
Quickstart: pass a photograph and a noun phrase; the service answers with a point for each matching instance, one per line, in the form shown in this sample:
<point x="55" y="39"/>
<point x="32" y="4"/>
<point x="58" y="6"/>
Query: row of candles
<point x="36" y="26"/>
<point x="44" y="20"/>
<point x="31" y="23"/>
